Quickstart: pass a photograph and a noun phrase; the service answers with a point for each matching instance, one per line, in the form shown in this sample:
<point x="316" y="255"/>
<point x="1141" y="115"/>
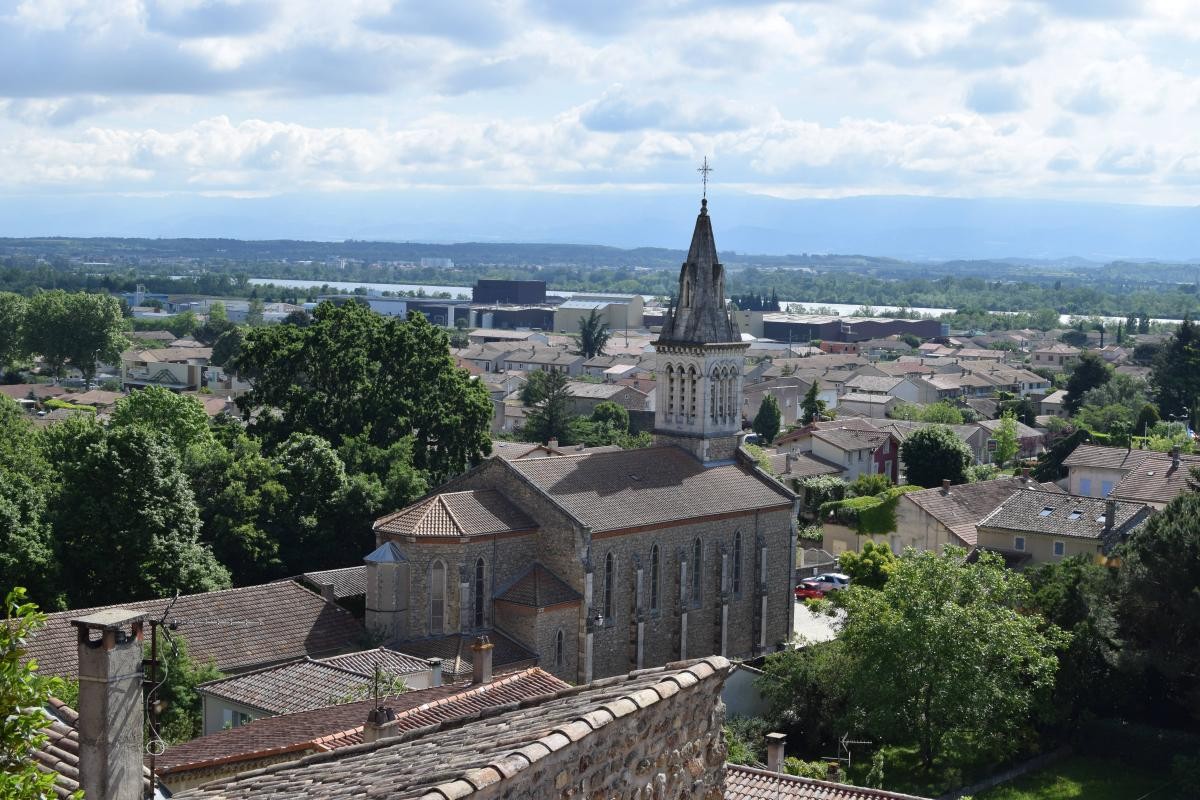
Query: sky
<point x="1072" y="100"/>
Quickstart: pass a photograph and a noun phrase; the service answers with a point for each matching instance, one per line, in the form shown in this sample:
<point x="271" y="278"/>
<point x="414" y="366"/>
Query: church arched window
<point x="697" y="571"/>
<point x="437" y="598"/>
<point x="691" y="393"/>
<point x="559" y="655"/>
<point x="609" y="583"/>
<point x="670" y="389"/>
<point x="737" y="563"/>
<point x="654" y="578"/>
<point x="479" y="593"/>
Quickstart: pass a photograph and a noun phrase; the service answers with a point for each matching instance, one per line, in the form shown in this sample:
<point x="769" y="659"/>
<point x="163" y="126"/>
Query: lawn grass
<point x="1082" y="777"/>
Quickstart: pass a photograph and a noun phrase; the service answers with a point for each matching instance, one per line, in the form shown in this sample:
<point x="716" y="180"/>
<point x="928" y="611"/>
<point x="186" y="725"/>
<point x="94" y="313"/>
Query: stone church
<point x="600" y="563"/>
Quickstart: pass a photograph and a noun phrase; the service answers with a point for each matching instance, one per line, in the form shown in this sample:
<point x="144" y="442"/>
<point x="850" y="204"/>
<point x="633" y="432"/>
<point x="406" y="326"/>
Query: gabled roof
<point x="237" y="629"/>
<point x="1156" y="478"/>
<point x="849" y="438"/>
<point x="961" y="507"/>
<point x="441" y="761"/>
<point x="881" y="384"/>
<point x="1055" y="514"/>
<point x="537" y="587"/>
<point x="1091" y="455"/>
<point x="870" y="399"/>
<point x="802" y="465"/>
<point x="747" y="783"/>
<point x="475" y="512"/>
<point x="331" y="727"/>
<point x="647" y="486"/>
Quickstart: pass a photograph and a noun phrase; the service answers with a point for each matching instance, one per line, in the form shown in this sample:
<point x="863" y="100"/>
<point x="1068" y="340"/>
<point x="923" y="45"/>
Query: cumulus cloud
<point x="1126" y="160"/>
<point x="620" y="110"/>
<point x="1091" y="97"/>
<point x="479" y="23"/>
<point x="209" y="17"/>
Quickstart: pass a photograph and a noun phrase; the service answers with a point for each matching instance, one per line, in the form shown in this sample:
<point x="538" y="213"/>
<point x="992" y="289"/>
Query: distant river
<point x="464" y="292"/>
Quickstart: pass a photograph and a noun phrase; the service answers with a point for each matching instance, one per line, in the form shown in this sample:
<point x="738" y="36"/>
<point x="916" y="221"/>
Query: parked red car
<point x="804" y="592"/>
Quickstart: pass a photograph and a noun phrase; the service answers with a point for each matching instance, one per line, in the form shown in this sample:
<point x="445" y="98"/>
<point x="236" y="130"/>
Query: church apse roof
<point x="456" y="515"/>
<point x="646" y="487"/>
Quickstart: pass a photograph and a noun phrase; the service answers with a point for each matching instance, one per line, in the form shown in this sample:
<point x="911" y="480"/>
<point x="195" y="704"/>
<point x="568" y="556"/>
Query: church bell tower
<point x="700" y="358"/>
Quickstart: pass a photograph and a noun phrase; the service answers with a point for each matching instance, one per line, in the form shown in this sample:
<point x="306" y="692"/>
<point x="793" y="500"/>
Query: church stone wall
<point x="614" y="645"/>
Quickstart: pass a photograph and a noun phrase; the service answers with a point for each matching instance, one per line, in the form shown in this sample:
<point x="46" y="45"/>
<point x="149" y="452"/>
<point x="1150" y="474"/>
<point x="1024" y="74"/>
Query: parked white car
<point x="828" y="581"/>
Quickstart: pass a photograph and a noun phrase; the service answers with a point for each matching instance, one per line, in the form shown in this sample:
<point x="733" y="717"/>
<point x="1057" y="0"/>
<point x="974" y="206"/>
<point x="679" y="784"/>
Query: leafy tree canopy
<point x="180" y="417"/>
<point x="1090" y="372"/>
<point x="934" y="454"/>
<point x="593" y="335"/>
<point x="768" y="419"/>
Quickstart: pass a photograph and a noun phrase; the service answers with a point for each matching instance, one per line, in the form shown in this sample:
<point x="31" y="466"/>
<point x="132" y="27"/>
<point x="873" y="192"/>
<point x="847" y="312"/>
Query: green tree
<point x="125" y="520"/>
<point x="78" y="328"/>
<point x="812" y="407"/>
<point x="806" y="688"/>
<point x="869" y="485"/>
<point x="934" y="454"/>
<point x="870" y="568"/>
<point x="1160" y="602"/>
<point x="942" y="413"/>
<point x="254" y="313"/>
<point x="768" y="419"/>
<point x="965" y="667"/>
<point x="179" y="417"/>
<point x="353" y="372"/>
<point x="1175" y="376"/>
<point x="612" y="415"/>
<point x="227" y="346"/>
<point x="551" y="417"/>
<point x="23" y="693"/>
<point x="1089" y="373"/>
<point x="1007" y="443"/>
<point x="12" y="329"/>
<point x="534" y="390"/>
<point x="26" y="544"/>
<point x="1147" y="418"/>
<point x="593" y="335"/>
<point x="183" y="716"/>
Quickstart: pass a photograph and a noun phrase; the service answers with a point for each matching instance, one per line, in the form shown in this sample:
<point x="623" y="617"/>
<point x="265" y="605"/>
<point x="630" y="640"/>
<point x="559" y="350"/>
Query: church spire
<point x="699" y="314"/>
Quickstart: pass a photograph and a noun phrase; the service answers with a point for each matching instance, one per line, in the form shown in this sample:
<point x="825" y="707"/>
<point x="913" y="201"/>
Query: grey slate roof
<point x="1090" y="455"/>
<point x="455" y="652"/>
<point x="1156" y="479"/>
<point x="699" y="314"/>
<point x="1056" y="514"/>
<point x="455" y="757"/>
<point x="237" y="629"/>
<point x="648" y="486"/>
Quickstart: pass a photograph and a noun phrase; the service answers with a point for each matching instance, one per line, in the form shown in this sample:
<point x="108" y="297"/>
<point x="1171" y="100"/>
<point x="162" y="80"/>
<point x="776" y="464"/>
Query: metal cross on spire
<point x="704" y="169"/>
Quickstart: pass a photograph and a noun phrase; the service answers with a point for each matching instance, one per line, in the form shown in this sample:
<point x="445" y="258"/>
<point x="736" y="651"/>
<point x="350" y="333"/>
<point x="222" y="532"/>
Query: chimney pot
<point x="1110" y="513"/>
<point x="552" y="443"/>
<point x="110" y="704"/>
<point x="1175" y="456"/>
<point x="776" y="744"/>
<point x="945" y="485"/>
<point x="481" y="660"/>
<point x="1025" y="473"/>
<point x="831" y="772"/>
<point x="435" y="668"/>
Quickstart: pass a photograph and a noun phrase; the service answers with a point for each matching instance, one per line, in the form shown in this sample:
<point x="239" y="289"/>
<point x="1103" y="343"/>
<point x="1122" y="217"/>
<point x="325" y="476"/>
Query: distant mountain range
<point x="914" y="228"/>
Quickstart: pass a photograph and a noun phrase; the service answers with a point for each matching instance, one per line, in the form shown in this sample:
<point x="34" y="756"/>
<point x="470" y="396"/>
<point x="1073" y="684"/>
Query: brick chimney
<point x="945" y="486"/>
<point x="375" y="727"/>
<point x="1110" y="514"/>
<point x="110" y="704"/>
<point x="1175" y="457"/>
<point x="776" y="744"/>
<point x="552" y="444"/>
<point x="481" y="660"/>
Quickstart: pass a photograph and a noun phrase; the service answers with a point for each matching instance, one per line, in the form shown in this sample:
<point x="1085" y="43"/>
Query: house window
<point x="437" y="598"/>
<point x="697" y="562"/>
<point x="558" y="649"/>
<point x="1019" y="544"/>
<point x="479" y="596"/>
<point x="609" y="570"/>
<point x="1060" y="549"/>
<point x="654" y="578"/>
<point x="737" y="564"/>
<point x="1046" y="511"/>
<point x="1085" y="487"/>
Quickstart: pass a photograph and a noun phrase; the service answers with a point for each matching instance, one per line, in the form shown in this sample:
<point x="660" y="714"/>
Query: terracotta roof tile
<point x="60" y="752"/>
<point x="237" y="629"/>
<point x="1090" y="455"/>
<point x="457" y="514"/>
<point x="343" y="583"/>
<point x="442" y="757"/>
<point x="630" y="488"/>
<point x="337" y="726"/>
<point x="537" y="587"/>
<point x="747" y="783"/>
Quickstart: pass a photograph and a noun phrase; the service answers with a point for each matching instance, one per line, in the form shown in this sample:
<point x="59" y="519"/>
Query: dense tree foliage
<point x="551" y="415"/>
<point x="23" y="695"/>
<point x="183" y="716"/>
<point x="355" y="373"/>
<point x="871" y="567"/>
<point x="593" y="335"/>
<point x="1005" y="436"/>
<point x="12" y="328"/>
<point x="1175" y="377"/>
<point x="76" y="328"/>
<point x="934" y="454"/>
<point x="768" y="419"/>
<point x="1089" y="373"/>
<point x="939" y="694"/>
<point x="179" y="417"/>
<point x="812" y="407"/>
<point x="1160" y="604"/>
